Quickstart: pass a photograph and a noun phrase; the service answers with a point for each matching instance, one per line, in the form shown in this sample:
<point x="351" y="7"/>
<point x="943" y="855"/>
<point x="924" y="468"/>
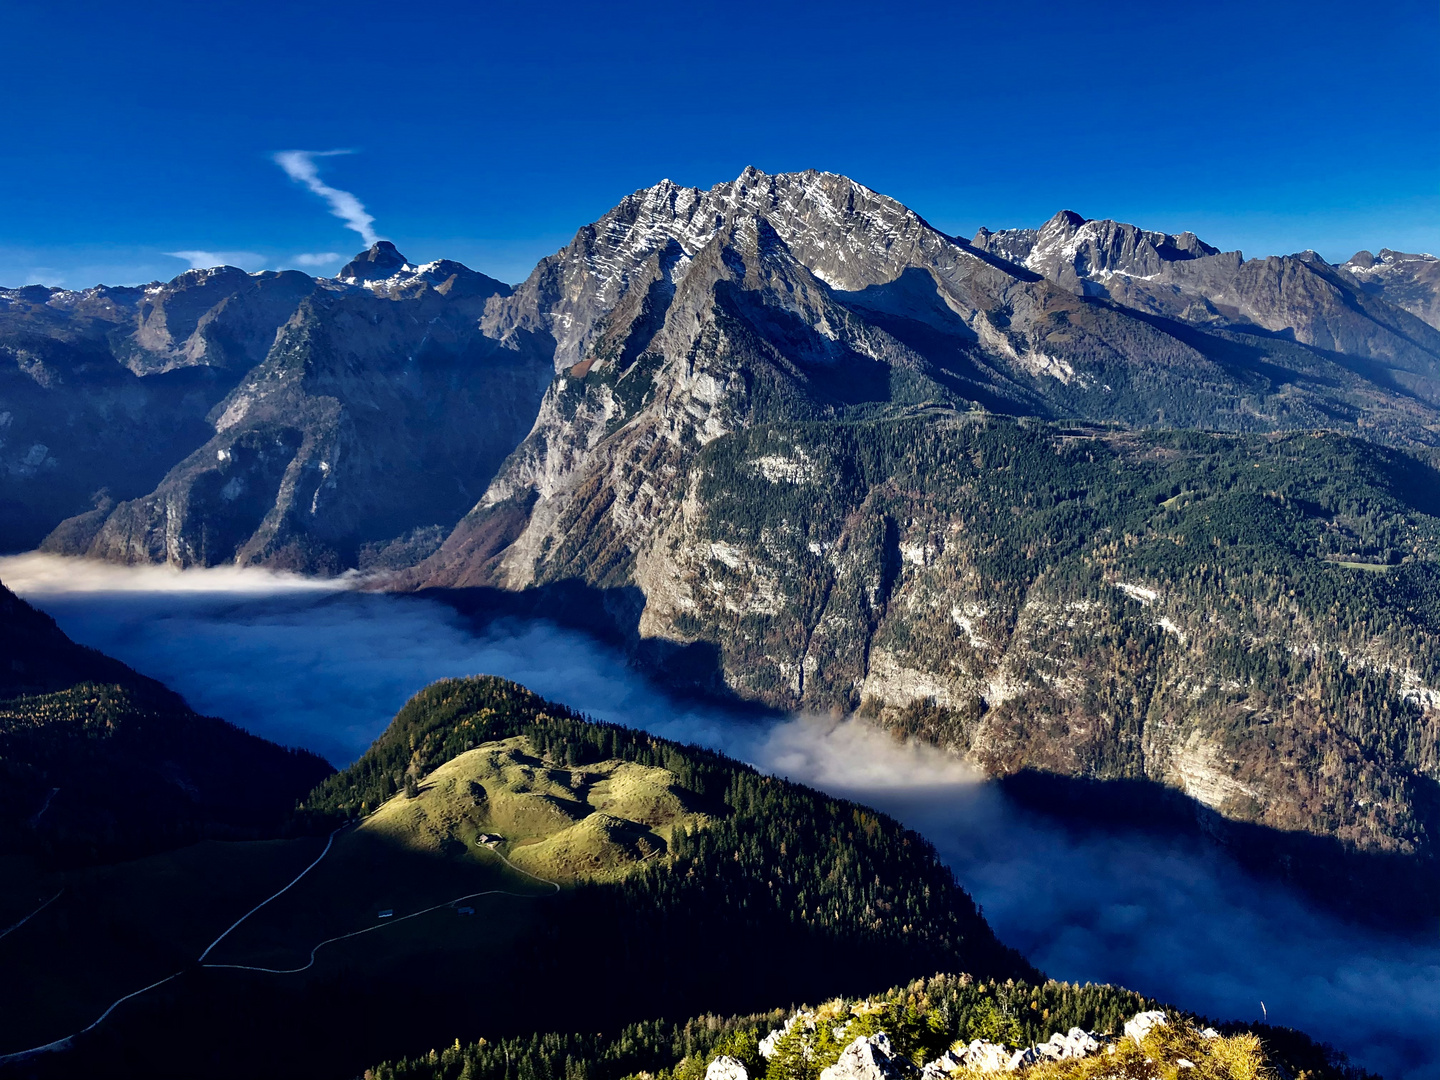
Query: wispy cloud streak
<point x="300" y="166"/>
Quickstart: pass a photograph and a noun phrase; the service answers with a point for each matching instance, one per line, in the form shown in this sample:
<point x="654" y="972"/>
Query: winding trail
<point x="16" y="926"/>
<point x="35" y="817"/>
<point x="69" y="1040"/>
<point x="393" y="922"/>
<point x="328" y="845"/>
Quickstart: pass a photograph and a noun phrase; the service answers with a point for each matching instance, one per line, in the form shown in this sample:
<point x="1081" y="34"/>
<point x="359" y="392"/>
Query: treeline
<point x="99" y="763"/>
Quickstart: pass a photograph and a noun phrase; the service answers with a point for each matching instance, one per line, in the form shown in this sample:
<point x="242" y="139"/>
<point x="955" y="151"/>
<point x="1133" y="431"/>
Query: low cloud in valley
<point x="315" y="664"/>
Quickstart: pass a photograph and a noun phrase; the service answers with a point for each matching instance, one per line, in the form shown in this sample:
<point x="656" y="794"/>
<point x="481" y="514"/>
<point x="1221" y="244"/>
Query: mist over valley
<point x="318" y="665"/>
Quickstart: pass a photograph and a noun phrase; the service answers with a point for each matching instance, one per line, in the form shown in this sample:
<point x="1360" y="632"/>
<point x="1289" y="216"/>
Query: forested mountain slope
<point x="687" y="882"/>
<point x="1249" y="620"/>
<point x="100" y="762"/>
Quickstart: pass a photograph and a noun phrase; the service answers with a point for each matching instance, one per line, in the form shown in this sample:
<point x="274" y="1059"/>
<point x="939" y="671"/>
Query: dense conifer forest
<point x="99" y="763"/>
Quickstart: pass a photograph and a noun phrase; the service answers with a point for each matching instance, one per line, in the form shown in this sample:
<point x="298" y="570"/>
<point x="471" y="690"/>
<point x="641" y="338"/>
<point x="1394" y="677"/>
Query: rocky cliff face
<point x="757" y="449"/>
<point x="377" y="416"/>
<point x="102" y="391"/>
<point x="1068" y="249"/>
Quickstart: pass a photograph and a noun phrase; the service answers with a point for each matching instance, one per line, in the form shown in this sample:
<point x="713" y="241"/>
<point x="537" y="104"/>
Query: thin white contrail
<point x="300" y="166"/>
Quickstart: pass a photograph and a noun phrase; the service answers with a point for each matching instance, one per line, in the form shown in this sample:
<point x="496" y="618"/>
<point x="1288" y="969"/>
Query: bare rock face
<point x="1377" y="309"/>
<point x="1068" y="249"/>
<point x="103" y="390"/>
<point x="868" y="1058"/>
<point x="381" y="261"/>
<point x="726" y="1068"/>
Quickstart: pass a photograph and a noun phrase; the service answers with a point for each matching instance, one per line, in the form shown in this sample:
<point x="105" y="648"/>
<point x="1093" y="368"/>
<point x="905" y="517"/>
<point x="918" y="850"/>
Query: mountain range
<point x="1083" y="503"/>
<point x="227" y="416"/>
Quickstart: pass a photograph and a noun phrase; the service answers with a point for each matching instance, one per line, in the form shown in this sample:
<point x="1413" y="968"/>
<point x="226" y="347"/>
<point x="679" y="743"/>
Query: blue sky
<point x="490" y="132"/>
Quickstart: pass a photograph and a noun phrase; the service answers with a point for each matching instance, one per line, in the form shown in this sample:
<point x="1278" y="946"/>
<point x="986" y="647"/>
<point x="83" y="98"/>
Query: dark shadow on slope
<point x="1247" y="354"/>
<point x="999" y="263"/>
<point x="1388" y="890"/>
<point x="911" y="311"/>
<point x="711" y="934"/>
<point x="686" y="670"/>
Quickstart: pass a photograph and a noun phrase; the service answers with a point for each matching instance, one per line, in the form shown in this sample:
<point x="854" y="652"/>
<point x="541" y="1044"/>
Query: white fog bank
<point x="313" y="664"/>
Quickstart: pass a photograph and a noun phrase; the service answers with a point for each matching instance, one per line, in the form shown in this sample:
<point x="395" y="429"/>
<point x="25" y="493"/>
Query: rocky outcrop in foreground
<point x="872" y="1057"/>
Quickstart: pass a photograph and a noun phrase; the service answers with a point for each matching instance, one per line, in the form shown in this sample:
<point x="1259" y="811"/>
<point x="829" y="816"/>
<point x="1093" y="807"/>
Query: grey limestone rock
<point x="1076" y="1043"/>
<point x="1141" y="1024"/>
<point x="379" y="411"/>
<point x="868" y="1058"/>
<point x="1409" y="281"/>
<point x="726" y="1068"/>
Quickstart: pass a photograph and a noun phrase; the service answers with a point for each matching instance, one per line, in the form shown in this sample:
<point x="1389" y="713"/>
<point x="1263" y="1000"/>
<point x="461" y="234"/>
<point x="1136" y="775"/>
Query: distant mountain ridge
<point x="227" y="416"/>
<point x="1408" y="281"/>
<point x="1299" y="295"/>
<point x="272" y="418"/>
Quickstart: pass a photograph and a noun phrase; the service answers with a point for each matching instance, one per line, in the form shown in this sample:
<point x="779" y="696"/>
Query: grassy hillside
<point x="922" y="1019"/>
<point x="98" y="762"/>
<point x="686" y="882"/>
